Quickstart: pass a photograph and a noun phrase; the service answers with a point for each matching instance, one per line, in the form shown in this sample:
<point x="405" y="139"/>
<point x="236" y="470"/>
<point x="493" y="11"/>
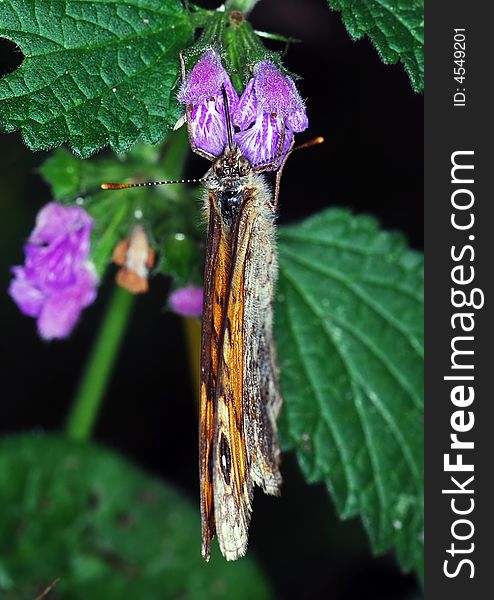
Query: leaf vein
<point x="328" y="419"/>
<point x="381" y="493"/>
<point x="381" y="312"/>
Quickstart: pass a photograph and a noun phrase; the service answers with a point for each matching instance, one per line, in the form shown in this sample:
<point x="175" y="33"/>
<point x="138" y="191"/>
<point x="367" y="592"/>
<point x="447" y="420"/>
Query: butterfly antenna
<point x="125" y="186"/>
<point x="279" y="160"/>
<point x="227" y="117"/>
<point x="313" y="142"/>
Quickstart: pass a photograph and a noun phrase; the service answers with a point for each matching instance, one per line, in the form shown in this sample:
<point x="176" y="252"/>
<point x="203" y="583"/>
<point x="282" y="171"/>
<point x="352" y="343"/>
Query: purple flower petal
<point x="298" y="120"/>
<point x="60" y="240"/>
<point x="260" y="143"/>
<point x="205" y="79"/>
<point x="57" y="281"/>
<point x="247" y="108"/>
<point x="52" y="266"/>
<point x="202" y="93"/>
<point x="61" y="311"/>
<point x="231" y="94"/>
<point x="50" y="222"/>
<point x="187" y="301"/>
<point x="68" y="223"/>
<point x="269" y="103"/>
<point x="208" y="126"/>
<point x="274" y="91"/>
<point x="27" y="297"/>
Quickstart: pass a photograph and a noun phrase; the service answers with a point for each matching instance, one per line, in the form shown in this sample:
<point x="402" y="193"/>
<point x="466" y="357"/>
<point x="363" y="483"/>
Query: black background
<point x="371" y="162"/>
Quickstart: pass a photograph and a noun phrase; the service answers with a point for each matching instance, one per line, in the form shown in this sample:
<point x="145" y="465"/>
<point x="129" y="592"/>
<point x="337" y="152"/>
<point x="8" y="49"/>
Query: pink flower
<point x="269" y="106"/>
<point x="269" y="102"/>
<point x="187" y="301"/>
<point x="57" y="281"/>
<point x="202" y="93"/>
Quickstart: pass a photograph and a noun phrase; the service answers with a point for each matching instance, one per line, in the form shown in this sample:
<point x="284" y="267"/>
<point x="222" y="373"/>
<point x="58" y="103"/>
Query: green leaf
<point x="234" y="38"/>
<point x="396" y="27"/>
<point x="181" y="258"/>
<point x="349" y="327"/>
<point x="80" y="513"/>
<point x="94" y="73"/>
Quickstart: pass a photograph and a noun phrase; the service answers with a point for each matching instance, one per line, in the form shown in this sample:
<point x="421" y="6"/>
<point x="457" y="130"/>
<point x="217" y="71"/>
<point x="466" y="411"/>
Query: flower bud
<point x="187" y="301"/>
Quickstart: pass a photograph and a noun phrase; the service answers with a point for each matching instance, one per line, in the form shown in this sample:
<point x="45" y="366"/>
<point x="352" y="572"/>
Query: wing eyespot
<point x="225" y="459"/>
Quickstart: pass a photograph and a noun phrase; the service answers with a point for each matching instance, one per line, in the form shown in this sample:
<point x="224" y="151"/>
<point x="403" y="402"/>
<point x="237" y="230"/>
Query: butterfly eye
<point x="218" y="169"/>
<point x="243" y="165"/>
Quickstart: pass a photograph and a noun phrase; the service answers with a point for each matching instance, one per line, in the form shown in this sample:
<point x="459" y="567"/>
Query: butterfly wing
<point x="239" y="395"/>
<point x="216" y="273"/>
<point x="231" y="470"/>
<point x="261" y="395"/>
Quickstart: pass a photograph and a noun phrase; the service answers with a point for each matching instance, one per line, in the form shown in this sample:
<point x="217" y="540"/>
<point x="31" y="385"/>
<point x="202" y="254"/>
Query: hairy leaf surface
<point x="94" y="73"/>
<point x="349" y="326"/>
<point x="396" y="28"/>
<point x="78" y="513"/>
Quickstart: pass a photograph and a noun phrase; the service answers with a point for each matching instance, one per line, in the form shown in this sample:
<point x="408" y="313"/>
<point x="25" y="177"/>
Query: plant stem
<point x="96" y="375"/>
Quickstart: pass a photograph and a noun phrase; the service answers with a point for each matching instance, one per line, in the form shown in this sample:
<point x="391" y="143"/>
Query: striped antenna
<point x="124" y="186"/>
<point x="313" y="142"/>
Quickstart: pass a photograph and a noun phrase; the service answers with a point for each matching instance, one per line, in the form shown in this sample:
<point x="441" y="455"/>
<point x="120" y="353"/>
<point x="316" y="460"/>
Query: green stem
<point x="96" y="376"/>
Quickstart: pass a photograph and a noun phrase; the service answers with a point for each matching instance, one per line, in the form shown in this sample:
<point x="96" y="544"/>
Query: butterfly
<point x="240" y="396"/>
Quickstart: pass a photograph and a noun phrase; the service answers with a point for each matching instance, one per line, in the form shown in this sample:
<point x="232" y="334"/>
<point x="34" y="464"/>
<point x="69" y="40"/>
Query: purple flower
<point x="187" y="301"/>
<point x="57" y="281"/>
<point x="269" y="101"/>
<point x="201" y="92"/>
<point x="269" y="105"/>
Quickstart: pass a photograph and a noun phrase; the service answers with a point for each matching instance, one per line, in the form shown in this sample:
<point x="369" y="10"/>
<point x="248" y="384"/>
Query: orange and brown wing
<point x="232" y="482"/>
<point x="238" y="441"/>
<point x="216" y="274"/>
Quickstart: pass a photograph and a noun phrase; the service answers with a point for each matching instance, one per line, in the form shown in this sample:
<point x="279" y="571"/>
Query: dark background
<point x="371" y="162"/>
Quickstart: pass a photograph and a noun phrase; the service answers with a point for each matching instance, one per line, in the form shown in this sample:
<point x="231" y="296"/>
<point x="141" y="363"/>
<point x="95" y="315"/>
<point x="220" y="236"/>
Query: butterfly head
<point x="231" y="166"/>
